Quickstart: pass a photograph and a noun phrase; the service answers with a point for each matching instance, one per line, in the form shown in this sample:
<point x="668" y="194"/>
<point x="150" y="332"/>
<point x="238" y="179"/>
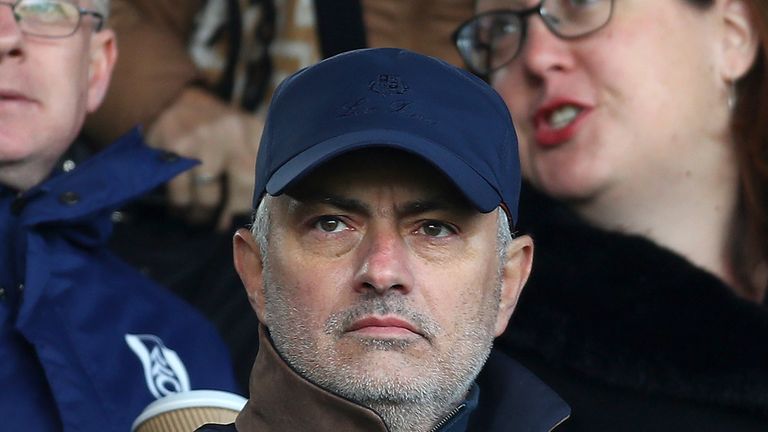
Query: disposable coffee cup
<point x="187" y="411"/>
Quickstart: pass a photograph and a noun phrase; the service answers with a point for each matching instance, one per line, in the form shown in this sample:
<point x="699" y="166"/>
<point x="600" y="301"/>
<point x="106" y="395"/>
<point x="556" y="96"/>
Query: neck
<point x="690" y="213"/>
<point x="21" y="176"/>
<point x="402" y="417"/>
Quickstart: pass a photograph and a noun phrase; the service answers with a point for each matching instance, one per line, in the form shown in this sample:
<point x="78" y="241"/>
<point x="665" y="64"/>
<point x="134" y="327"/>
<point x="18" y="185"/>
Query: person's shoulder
<point x="217" y="428"/>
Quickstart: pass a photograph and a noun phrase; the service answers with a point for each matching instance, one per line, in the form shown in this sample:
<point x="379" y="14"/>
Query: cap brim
<point x="475" y="188"/>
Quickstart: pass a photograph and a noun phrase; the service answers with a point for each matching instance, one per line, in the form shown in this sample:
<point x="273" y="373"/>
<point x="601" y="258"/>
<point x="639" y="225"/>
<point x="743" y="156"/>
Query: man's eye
<point x="436" y="229"/>
<point x="330" y="224"/>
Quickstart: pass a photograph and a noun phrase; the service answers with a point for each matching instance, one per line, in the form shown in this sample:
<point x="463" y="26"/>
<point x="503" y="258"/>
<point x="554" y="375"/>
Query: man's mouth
<point x="383" y="326"/>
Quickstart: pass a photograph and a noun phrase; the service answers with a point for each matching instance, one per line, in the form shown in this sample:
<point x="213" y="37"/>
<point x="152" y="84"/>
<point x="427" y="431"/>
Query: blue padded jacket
<point x="86" y="341"/>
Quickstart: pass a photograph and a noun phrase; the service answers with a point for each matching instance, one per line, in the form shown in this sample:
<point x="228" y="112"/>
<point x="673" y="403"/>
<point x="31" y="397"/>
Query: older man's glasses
<point x="50" y="18"/>
<point x="492" y="39"/>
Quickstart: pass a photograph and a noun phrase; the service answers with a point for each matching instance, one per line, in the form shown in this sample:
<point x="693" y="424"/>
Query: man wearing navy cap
<point x="381" y="261"/>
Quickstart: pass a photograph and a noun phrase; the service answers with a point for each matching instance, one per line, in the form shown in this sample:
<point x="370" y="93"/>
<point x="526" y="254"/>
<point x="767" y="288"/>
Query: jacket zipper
<point x="448" y="418"/>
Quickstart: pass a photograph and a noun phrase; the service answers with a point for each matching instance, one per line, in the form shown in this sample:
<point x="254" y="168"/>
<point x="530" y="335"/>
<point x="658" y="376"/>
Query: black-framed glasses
<point x="492" y="39"/>
<point x="50" y="18"/>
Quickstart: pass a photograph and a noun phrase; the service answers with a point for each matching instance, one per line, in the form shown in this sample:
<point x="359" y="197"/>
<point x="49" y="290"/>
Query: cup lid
<point x="191" y="399"/>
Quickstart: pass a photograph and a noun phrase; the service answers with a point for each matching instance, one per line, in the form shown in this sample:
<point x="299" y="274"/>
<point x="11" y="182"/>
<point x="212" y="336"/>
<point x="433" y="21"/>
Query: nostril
<point x="382" y="288"/>
<point x="10" y="53"/>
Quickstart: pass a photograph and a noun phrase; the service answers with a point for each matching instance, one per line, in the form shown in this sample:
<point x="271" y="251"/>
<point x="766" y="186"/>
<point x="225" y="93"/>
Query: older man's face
<point x="382" y="284"/>
<point x="46" y="88"/>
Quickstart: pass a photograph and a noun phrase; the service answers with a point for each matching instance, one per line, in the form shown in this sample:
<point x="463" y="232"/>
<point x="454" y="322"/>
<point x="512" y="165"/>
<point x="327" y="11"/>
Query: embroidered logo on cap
<point x="388" y="84"/>
<point x="385" y="85"/>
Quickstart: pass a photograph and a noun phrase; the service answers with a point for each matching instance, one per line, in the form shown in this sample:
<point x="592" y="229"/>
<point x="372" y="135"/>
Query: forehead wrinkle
<point x="334" y="200"/>
<point x="435" y="203"/>
<point x="393" y="186"/>
<point x="404" y="208"/>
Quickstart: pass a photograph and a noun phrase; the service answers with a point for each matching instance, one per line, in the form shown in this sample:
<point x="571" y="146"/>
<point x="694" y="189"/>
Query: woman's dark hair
<point x="749" y="236"/>
<point x="748" y="248"/>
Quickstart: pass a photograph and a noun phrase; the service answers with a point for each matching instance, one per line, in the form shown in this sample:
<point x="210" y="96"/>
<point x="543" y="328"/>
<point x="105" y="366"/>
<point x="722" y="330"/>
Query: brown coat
<point x="154" y="64"/>
<point x="277" y="392"/>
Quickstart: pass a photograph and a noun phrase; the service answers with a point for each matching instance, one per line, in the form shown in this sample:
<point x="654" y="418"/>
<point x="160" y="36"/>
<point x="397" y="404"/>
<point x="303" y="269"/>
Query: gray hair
<point x="504" y="236"/>
<point x="261" y="223"/>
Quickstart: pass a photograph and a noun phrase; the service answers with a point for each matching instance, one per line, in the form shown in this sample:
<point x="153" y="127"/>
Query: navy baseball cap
<point x="388" y="97"/>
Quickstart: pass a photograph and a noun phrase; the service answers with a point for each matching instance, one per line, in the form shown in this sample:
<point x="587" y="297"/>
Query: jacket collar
<point x="514" y="399"/>
<point x="104" y="182"/>
<point x="84" y="198"/>
<point x="281" y="399"/>
<point x="629" y="313"/>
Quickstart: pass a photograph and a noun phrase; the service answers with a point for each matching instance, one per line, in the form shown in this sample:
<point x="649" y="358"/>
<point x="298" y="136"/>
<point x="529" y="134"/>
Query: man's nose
<point x="10" y="33"/>
<point x="385" y="263"/>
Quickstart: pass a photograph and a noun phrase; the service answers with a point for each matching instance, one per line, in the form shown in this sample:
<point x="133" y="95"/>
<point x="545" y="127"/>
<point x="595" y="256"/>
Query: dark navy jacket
<point x="86" y="342"/>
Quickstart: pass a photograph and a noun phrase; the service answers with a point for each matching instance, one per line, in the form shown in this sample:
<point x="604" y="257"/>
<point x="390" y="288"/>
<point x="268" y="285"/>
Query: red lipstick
<point x="548" y="135"/>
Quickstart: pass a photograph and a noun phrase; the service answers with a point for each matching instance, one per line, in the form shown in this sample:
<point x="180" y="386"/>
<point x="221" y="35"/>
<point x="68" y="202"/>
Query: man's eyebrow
<point x="341" y="202"/>
<point x="417" y="207"/>
<point x="410" y="208"/>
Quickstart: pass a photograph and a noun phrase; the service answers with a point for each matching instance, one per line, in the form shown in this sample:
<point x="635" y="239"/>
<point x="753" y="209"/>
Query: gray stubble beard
<point x="404" y="405"/>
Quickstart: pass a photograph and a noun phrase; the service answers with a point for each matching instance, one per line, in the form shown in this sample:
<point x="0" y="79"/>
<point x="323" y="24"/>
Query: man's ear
<point x="515" y="273"/>
<point x="250" y="267"/>
<point x="103" y="55"/>
<point x="740" y="42"/>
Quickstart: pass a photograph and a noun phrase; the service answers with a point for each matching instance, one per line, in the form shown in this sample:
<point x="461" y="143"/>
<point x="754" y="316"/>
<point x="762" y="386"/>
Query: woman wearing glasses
<point x="644" y="135"/>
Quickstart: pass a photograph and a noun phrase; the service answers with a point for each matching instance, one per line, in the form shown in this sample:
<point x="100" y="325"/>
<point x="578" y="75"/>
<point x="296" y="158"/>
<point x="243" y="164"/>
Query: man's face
<point x="46" y="88"/>
<point x="381" y="283"/>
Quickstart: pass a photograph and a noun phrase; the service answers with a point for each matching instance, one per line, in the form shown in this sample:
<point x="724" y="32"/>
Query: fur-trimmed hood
<point x="626" y="312"/>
